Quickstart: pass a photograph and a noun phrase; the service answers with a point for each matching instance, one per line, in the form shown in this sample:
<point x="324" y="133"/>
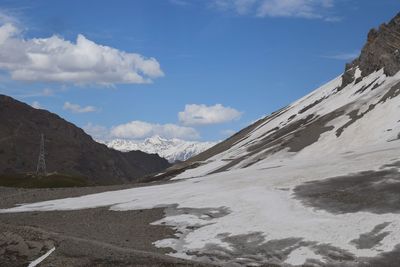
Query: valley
<point x="315" y="183"/>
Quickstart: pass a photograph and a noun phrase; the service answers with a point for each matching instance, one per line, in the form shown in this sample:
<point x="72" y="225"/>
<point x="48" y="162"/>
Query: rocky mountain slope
<point x="354" y="110"/>
<point x="316" y="183"/>
<point x="68" y="149"/>
<point x="171" y="149"/>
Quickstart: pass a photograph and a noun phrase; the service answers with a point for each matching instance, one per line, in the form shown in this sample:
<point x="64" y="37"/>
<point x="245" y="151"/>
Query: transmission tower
<point x="41" y="166"/>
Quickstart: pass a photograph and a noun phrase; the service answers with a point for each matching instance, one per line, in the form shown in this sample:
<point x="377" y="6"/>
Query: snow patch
<point x="300" y="255"/>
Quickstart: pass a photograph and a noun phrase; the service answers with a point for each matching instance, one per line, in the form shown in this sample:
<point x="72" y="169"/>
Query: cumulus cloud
<point x="75" y="108"/>
<point x="6" y="31"/>
<point x="55" y="59"/>
<point x="279" y="8"/>
<point x="141" y="130"/>
<point x="203" y="115"/>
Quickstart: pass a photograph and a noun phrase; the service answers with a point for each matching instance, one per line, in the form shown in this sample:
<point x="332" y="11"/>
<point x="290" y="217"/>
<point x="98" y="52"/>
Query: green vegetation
<point x="54" y="180"/>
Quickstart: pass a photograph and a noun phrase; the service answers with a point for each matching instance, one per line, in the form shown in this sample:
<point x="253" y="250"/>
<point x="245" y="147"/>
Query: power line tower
<point x="41" y="166"/>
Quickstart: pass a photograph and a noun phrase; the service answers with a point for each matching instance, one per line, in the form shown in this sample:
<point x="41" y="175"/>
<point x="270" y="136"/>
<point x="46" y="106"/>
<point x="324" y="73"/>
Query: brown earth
<point x="91" y="237"/>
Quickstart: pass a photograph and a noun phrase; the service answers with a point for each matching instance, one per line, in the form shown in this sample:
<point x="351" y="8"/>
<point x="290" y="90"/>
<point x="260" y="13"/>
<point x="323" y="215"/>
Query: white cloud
<point x="228" y="132"/>
<point x="179" y="2"/>
<point x="290" y="8"/>
<point x="343" y="56"/>
<point x="141" y="130"/>
<point x="240" y="6"/>
<point x="279" y="8"/>
<point x="36" y="104"/>
<point x="98" y="132"/>
<point x="55" y="59"/>
<point x="6" y="31"/>
<point x="7" y="17"/>
<point x="333" y="19"/>
<point x="202" y="114"/>
<point x="46" y="92"/>
<point x="75" y="108"/>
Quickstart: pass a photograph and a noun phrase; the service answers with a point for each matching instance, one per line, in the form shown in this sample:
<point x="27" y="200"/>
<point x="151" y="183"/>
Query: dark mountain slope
<point x="69" y="150"/>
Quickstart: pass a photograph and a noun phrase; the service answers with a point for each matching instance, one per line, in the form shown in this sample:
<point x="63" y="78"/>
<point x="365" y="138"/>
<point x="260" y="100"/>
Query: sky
<point x="188" y="69"/>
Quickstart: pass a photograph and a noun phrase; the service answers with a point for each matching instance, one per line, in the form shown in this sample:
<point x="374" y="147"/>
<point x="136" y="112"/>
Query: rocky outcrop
<point x="382" y="50"/>
<point x="69" y="150"/>
<point x="18" y="251"/>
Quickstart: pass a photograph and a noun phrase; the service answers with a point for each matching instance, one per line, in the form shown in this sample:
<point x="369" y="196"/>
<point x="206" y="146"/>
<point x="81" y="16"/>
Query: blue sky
<point x="198" y="69"/>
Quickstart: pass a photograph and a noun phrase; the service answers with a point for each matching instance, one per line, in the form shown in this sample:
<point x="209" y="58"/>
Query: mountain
<point x="171" y="149"/>
<point x="316" y="183"/>
<point x="354" y="110"/>
<point x="69" y="150"/>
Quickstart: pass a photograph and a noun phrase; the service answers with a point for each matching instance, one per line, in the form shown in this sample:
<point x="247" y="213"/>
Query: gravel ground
<point x="92" y="237"/>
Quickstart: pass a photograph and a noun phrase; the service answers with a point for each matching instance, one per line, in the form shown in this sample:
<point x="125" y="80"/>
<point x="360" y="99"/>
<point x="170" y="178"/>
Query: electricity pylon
<point x="41" y="166"/>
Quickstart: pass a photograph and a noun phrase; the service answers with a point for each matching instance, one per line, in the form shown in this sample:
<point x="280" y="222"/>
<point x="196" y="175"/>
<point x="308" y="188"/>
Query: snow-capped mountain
<point x="316" y="183"/>
<point x="171" y="149"/>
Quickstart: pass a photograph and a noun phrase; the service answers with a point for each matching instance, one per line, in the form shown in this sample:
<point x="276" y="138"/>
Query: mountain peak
<point x="155" y="139"/>
<point x="171" y="149"/>
<point x="382" y="50"/>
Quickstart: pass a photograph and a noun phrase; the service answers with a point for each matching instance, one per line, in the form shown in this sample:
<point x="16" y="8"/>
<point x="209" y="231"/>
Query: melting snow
<point x="256" y="204"/>
<point x="254" y="196"/>
<point x="300" y="255"/>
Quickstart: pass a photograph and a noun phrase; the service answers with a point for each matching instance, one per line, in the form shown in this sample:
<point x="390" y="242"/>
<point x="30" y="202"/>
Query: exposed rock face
<point x="382" y="50"/>
<point x="69" y="149"/>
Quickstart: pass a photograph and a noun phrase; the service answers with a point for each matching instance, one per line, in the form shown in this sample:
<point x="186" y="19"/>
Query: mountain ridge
<point x="173" y="150"/>
<point x="69" y="149"/>
<point x="381" y="51"/>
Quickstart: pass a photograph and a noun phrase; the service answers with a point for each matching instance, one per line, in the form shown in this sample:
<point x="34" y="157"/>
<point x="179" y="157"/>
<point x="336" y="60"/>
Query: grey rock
<point x="48" y="244"/>
<point x="11" y="238"/>
<point x="382" y="50"/>
<point x="34" y="247"/>
<point x="20" y="248"/>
